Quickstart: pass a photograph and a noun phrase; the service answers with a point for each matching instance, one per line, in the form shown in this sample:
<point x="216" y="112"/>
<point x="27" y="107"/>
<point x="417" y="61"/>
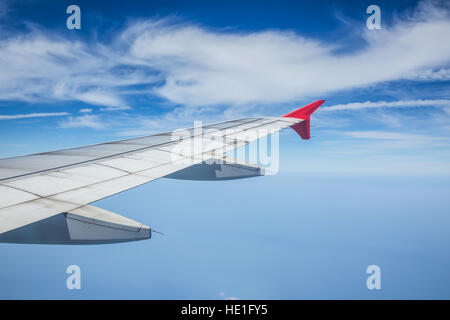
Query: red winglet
<point x="303" y="128"/>
<point x="305" y="112"/>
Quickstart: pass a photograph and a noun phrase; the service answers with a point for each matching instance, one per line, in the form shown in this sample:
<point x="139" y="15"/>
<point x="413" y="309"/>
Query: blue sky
<point x="369" y="187"/>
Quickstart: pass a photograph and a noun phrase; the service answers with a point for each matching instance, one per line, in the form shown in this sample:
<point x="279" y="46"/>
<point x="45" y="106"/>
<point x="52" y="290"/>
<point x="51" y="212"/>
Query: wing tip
<point x="306" y="111"/>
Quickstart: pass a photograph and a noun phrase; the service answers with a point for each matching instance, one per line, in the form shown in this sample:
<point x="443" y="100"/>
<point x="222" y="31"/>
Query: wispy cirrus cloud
<point x="194" y="66"/>
<point x="206" y="67"/>
<point x="85" y="121"/>
<point x="442" y="74"/>
<point x="101" y="98"/>
<point x="41" y="66"/>
<point x="33" y="115"/>
<point x="439" y="103"/>
<point x="116" y="108"/>
<point x="396" y="136"/>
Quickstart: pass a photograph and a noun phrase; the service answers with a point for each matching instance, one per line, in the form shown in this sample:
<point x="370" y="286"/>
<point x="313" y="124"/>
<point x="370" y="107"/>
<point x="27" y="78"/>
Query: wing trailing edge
<point x="216" y="169"/>
<point x="86" y="225"/>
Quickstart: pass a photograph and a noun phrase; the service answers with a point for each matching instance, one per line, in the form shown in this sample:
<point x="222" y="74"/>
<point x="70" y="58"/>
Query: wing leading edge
<point x="44" y="198"/>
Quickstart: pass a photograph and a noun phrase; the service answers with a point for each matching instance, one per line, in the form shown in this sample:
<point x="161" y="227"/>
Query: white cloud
<point x="32" y="115"/>
<point x="85" y="121"/>
<point x="195" y="66"/>
<point x="116" y="108"/>
<point x="441" y="74"/>
<point x="203" y="67"/>
<point x="40" y="66"/>
<point x="86" y="110"/>
<point x="384" y="135"/>
<point x="441" y="103"/>
<point x="99" y="98"/>
<point x="383" y="140"/>
<point x="381" y="165"/>
<point x="227" y="297"/>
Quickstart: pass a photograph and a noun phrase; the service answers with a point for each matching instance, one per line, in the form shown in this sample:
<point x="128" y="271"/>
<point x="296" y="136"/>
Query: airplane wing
<point x="45" y="197"/>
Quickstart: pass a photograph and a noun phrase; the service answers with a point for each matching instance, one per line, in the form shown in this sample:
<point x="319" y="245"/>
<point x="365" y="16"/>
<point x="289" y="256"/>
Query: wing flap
<point x="85" y="225"/>
<point x="216" y="169"/>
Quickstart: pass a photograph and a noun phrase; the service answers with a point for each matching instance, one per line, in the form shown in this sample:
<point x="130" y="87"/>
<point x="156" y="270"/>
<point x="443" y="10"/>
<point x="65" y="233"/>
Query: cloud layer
<point x="194" y="66"/>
